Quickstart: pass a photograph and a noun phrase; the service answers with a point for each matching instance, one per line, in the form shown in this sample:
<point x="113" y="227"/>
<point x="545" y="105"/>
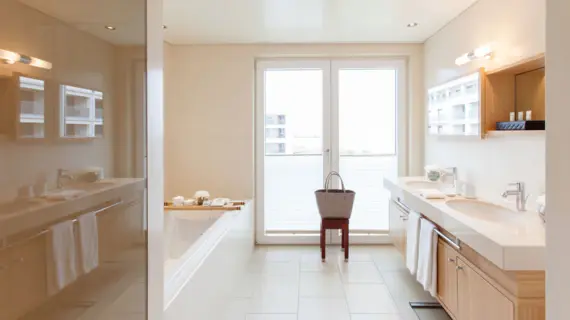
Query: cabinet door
<point x="28" y="272"/>
<point x="478" y="299"/>
<point x="398" y="227"/>
<point x="5" y="296"/>
<point x="447" y="277"/>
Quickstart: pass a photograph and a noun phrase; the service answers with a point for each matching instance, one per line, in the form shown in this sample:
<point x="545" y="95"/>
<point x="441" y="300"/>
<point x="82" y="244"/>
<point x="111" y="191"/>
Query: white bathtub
<point x="205" y="251"/>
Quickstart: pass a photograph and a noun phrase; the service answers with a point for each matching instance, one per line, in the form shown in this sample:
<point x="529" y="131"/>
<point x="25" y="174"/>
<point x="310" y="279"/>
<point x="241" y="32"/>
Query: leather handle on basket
<point x="329" y="178"/>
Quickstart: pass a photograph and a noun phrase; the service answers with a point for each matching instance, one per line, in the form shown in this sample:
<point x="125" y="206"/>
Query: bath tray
<point x="235" y="205"/>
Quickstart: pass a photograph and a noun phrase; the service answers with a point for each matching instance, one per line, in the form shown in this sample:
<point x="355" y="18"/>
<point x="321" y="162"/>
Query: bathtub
<point x="204" y="253"/>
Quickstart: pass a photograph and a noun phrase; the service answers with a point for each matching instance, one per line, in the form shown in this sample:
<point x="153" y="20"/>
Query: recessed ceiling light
<point x="164" y="26"/>
<point x="110" y="28"/>
<point x="413" y="25"/>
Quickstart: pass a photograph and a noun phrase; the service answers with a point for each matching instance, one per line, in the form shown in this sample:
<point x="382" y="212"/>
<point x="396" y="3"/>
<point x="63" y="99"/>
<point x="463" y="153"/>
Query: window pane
<point x="293" y="147"/>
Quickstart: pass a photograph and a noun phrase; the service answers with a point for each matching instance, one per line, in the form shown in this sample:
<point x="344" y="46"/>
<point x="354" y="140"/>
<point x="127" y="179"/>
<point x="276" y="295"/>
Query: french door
<point x="317" y="116"/>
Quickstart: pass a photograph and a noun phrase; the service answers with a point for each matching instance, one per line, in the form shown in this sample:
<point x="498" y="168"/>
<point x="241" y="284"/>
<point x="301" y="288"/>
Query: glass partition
<point x="72" y="195"/>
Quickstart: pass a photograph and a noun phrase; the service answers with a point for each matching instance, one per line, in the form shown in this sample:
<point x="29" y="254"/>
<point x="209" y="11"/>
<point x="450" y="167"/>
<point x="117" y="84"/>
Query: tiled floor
<point x="288" y="283"/>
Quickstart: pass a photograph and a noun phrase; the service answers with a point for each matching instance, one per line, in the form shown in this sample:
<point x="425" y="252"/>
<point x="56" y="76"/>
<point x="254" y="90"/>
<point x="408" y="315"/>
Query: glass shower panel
<point x="72" y="230"/>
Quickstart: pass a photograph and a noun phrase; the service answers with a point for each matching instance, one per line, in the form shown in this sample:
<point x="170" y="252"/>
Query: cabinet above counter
<point x="513" y="241"/>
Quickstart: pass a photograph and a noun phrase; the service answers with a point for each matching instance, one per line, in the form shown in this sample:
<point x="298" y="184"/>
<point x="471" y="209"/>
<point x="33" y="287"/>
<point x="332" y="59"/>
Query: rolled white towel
<point x="432" y="194"/>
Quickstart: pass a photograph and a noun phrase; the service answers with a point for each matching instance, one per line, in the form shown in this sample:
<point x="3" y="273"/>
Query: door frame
<point x="330" y="135"/>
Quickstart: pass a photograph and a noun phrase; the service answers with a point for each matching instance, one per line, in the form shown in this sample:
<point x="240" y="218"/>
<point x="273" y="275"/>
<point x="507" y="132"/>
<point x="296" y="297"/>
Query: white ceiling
<point x="306" y="21"/>
<point x="260" y="21"/>
<point x="91" y="16"/>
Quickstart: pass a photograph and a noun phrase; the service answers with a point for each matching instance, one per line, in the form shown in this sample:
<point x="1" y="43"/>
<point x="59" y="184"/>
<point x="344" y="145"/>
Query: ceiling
<point x="260" y="21"/>
<point x="127" y="16"/>
<point x="306" y="21"/>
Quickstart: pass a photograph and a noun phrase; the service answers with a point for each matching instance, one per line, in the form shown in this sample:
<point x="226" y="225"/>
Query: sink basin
<point x="419" y="184"/>
<point x="75" y="190"/>
<point x="481" y="210"/>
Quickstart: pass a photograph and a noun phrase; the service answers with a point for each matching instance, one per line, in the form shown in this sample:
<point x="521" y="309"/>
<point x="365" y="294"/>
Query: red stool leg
<point x="345" y="240"/>
<point x="343" y="243"/>
<point x="323" y="241"/>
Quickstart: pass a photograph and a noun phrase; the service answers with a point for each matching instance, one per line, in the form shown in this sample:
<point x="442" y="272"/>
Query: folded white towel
<point x="88" y="242"/>
<point x="61" y="257"/>
<point x="427" y="257"/>
<point x="432" y="194"/>
<point x="412" y="236"/>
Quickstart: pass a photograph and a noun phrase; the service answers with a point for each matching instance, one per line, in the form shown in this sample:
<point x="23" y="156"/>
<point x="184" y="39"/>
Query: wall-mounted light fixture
<point x="13" y="57"/>
<point x="484" y="52"/>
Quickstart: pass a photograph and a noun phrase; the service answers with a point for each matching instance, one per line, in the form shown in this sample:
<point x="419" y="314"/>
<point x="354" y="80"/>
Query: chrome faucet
<point x="62" y="174"/>
<point x="453" y="171"/>
<point x="520" y="192"/>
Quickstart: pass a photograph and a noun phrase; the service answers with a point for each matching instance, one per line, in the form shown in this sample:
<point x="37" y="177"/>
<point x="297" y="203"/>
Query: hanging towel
<point x="427" y="257"/>
<point x="412" y="236"/>
<point x="61" y="257"/>
<point x="88" y="242"/>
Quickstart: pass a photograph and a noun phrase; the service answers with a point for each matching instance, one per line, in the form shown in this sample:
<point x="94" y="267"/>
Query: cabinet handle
<point x="459" y="268"/>
<point x="451" y="260"/>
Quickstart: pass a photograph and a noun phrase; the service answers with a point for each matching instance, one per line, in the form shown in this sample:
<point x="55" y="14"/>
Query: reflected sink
<point x="481" y="209"/>
<point x="76" y="190"/>
<point x="419" y="184"/>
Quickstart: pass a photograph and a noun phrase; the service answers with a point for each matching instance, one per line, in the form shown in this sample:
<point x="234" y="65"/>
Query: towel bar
<point x="44" y="231"/>
<point x="454" y="243"/>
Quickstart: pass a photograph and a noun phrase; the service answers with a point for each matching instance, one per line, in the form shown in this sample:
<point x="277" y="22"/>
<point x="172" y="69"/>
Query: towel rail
<point x="454" y="243"/>
<point x="44" y="231"/>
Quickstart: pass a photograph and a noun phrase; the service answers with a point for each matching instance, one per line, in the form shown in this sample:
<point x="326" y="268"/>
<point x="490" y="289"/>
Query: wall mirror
<point x="81" y="114"/>
<point x="530" y="93"/>
<point x="31" y="100"/>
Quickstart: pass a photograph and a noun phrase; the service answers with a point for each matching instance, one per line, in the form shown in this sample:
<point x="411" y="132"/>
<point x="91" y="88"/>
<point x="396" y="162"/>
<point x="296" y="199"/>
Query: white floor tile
<point x="311" y="262"/>
<point x="237" y="309"/>
<point x="271" y="317"/>
<point x="323" y="285"/>
<point x="276" y="294"/>
<point x="375" y="317"/>
<point x="323" y="309"/>
<point x="246" y="285"/>
<point x="274" y="268"/>
<point x="360" y="272"/>
<point x="369" y="298"/>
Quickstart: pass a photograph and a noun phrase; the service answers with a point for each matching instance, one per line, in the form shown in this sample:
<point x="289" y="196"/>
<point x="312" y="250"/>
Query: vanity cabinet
<point x="469" y="293"/>
<point x="397" y="233"/>
<point x="23" y="278"/>
<point x="478" y="299"/>
<point x="447" y="277"/>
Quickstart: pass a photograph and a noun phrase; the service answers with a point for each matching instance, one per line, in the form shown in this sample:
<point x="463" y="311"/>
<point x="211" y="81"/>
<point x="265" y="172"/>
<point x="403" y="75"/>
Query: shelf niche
<point x="514" y="88"/>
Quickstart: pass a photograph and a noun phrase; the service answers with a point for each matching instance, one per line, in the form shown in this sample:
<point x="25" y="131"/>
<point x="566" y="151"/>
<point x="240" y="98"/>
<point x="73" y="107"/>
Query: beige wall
<point x="78" y="59"/>
<point x="516" y="28"/>
<point x="209" y="111"/>
<point x="557" y="159"/>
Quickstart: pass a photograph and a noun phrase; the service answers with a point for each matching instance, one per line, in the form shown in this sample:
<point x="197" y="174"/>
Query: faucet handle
<point x="518" y="184"/>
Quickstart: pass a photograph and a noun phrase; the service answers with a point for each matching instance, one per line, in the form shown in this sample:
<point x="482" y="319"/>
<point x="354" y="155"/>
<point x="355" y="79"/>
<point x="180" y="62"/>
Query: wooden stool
<point x="335" y="224"/>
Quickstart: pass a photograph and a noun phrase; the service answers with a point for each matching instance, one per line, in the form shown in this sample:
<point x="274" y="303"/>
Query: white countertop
<point x="513" y="245"/>
<point x="41" y="212"/>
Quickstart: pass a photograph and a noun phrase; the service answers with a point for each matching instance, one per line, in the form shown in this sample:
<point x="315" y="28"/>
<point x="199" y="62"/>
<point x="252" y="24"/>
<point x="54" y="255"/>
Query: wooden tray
<point x="235" y="205"/>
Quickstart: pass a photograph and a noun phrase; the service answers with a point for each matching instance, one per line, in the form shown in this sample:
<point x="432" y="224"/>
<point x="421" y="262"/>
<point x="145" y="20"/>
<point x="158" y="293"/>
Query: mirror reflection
<point x="82" y="112"/>
<point x="530" y="93"/>
<point x="32" y="108"/>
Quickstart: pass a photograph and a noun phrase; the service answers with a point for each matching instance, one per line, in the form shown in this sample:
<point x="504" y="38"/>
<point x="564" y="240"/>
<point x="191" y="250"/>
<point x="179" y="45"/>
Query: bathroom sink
<point x="481" y="209"/>
<point x="75" y="190"/>
<point x="422" y="184"/>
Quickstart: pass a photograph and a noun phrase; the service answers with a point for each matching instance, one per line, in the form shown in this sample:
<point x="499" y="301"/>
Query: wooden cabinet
<point x="465" y="292"/>
<point x="398" y="220"/>
<point x="478" y="299"/>
<point x="23" y="278"/>
<point x="447" y="277"/>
